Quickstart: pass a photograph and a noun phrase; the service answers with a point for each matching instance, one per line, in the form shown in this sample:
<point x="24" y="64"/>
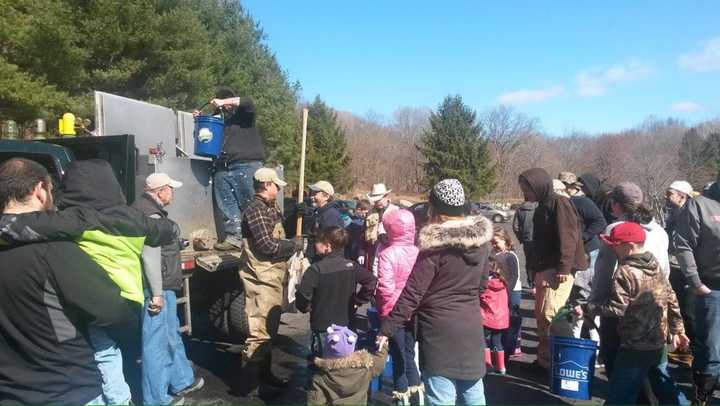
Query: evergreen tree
<point x="454" y="147"/>
<point x="327" y="157"/>
<point x="175" y="53"/>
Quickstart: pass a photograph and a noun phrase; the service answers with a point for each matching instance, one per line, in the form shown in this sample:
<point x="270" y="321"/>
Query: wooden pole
<point x="301" y="186"/>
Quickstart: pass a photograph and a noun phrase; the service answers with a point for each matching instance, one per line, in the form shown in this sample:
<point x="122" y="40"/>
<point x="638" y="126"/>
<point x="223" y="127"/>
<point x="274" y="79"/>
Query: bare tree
<point x="504" y="128"/>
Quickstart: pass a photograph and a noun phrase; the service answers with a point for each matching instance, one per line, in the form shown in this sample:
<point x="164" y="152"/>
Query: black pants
<point x="686" y="301"/>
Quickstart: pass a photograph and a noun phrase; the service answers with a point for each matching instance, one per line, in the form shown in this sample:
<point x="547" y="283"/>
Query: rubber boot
<point x="488" y="360"/>
<point x="248" y="381"/>
<point x="499" y="362"/>
<point x="704" y="387"/>
<point x="269" y="378"/>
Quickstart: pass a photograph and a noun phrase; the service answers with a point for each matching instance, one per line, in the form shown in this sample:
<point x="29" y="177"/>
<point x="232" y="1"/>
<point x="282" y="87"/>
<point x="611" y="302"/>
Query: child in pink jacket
<point x="496" y="317"/>
<point x="395" y="263"/>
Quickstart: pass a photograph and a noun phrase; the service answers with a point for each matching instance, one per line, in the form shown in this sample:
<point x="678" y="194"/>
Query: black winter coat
<point x="444" y="292"/>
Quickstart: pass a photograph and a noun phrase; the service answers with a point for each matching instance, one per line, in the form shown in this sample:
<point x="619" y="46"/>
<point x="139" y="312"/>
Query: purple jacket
<point x="396" y="260"/>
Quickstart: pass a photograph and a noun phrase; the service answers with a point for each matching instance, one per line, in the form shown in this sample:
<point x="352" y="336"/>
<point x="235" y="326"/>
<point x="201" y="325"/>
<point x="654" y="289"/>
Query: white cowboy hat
<point x="378" y="192"/>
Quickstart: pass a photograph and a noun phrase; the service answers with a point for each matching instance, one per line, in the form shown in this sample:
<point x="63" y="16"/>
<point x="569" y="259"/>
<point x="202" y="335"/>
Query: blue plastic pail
<point x="573" y="367"/>
<point x="209" y="135"/>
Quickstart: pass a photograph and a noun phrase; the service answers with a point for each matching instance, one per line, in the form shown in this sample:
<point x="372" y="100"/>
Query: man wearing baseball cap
<point x="647" y="309"/>
<point x="165" y="366"/>
<point x="697" y="246"/>
<point x="266" y="251"/>
<point x="676" y="197"/>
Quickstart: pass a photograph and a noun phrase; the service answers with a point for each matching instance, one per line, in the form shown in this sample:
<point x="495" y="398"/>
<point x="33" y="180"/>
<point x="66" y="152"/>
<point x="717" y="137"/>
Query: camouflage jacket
<point x="645" y="303"/>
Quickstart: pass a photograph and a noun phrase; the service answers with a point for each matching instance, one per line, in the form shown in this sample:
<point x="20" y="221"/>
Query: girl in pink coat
<point x="395" y="263"/>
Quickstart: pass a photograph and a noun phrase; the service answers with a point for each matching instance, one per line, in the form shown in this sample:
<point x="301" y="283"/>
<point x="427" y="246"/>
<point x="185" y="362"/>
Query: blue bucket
<point x="573" y="367"/>
<point x="209" y="136"/>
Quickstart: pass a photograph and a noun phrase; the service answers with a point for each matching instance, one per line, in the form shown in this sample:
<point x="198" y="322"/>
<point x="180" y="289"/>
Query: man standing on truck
<point x="243" y="153"/>
<point x="165" y="367"/>
<point x="46" y="303"/>
<point x="266" y="251"/>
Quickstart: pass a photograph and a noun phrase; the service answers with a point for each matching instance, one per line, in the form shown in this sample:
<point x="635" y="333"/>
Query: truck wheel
<point x="228" y="317"/>
<point x="237" y="318"/>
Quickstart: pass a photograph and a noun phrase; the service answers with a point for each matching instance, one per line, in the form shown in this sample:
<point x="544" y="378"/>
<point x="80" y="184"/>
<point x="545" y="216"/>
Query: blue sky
<point x="576" y="65"/>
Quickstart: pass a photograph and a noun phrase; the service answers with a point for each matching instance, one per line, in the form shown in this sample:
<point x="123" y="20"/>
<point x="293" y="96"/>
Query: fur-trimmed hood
<point x="357" y="360"/>
<point x="464" y="234"/>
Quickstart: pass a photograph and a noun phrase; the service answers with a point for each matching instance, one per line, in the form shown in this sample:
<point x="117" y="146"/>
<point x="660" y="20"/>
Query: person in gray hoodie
<point x="697" y="246"/>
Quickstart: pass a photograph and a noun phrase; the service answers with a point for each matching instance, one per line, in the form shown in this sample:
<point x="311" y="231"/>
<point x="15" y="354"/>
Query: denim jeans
<point x="511" y="336"/>
<point x="707" y="334"/>
<point x="627" y="382"/>
<point x="234" y="191"/>
<point x="165" y="367"/>
<point x="402" y="350"/>
<point x="110" y="363"/>
<point x="446" y="391"/>
<point x="494" y="339"/>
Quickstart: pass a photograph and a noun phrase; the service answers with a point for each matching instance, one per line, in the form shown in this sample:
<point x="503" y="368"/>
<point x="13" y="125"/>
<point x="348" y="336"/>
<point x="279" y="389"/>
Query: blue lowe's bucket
<point x="573" y="367"/>
<point x="209" y="136"/>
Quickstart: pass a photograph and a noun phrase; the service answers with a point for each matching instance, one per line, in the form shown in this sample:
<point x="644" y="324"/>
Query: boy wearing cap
<point x="647" y="309"/>
<point x="343" y="374"/>
<point x="266" y="251"/>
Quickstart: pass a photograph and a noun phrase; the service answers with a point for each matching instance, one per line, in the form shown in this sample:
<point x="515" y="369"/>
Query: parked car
<point x="492" y="213"/>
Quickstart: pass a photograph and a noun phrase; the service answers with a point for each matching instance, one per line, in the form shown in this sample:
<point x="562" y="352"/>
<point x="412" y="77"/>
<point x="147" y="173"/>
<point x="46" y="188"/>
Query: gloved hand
<point x="299" y="244"/>
<point x="303" y="209"/>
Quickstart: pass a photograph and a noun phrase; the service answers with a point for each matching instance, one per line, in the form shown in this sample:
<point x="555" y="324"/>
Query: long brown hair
<point x="501" y="232"/>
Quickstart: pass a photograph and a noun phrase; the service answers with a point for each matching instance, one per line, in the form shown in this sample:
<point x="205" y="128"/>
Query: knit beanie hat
<point x="339" y="342"/>
<point x="448" y="197"/>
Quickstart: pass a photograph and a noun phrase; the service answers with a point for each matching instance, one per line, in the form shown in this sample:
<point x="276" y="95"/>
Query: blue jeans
<point x="402" y="350"/>
<point x="110" y="363"/>
<point x="165" y="367"/>
<point x="96" y="402"/>
<point x="234" y="191"/>
<point x="707" y="334"/>
<point x="511" y="335"/>
<point x="627" y="382"/>
<point x="446" y="391"/>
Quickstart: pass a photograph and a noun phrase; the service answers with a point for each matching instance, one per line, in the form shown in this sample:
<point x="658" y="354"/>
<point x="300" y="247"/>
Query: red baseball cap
<point x="626" y="232"/>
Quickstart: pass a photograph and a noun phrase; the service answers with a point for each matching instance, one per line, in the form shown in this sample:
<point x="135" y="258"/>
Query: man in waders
<point x="266" y="251"/>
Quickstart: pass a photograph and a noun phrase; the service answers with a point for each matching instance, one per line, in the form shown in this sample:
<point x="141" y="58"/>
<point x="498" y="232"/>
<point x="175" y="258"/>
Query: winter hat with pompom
<point x="448" y="197"/>
<point x="339" y="342"/>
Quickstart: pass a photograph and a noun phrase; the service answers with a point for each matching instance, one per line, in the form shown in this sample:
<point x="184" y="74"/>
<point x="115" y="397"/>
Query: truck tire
<point x="228" y="317"/>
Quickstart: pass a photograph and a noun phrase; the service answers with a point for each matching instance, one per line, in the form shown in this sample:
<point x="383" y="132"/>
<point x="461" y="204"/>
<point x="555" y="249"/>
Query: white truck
<point x="140" y="138"/>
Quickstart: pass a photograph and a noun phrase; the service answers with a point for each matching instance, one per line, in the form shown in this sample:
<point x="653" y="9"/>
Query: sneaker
<point x="177" y="400"/>
<point x="197" y="384"/>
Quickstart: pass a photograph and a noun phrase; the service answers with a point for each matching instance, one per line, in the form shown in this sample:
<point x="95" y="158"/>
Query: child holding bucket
<point x="510" y="268"/>
<point x="642" y="298"/>
<point x="496" y="318"/>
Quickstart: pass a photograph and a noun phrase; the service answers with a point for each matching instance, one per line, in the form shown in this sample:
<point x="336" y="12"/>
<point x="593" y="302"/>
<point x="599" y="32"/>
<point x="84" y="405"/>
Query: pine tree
<point x="327" y="157"/>
<point x="455" y="148"/>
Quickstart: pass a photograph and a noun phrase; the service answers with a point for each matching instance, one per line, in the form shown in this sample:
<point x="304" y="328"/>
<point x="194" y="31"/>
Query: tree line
<point x="55" y="53"/>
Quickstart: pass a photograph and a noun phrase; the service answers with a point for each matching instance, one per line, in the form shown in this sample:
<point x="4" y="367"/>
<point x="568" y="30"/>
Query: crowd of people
<point x="87" y="279"/>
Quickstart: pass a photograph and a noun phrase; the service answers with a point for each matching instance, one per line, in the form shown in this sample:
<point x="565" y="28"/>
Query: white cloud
<point x="596" y="81"/>
<point x="687" y="107"/>
<point x="705" y="59"/>
<point x="524" y="96"/>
